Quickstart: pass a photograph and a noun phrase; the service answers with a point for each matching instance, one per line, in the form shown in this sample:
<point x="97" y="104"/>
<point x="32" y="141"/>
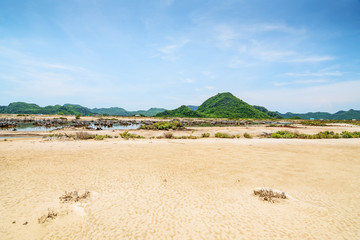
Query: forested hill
<point x="222" y="105"/>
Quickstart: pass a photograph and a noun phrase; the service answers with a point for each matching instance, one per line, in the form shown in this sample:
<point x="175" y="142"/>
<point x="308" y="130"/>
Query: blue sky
<point x="296" y="56"/>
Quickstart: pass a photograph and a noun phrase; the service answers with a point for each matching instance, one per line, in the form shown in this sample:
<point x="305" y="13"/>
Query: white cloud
<point x="312" y="59"/>
<point x="307" y="81"/>
<point x="210" y="87"/>
<point x="315" y="74"/>
<point x="170" y="49"/>
<point x="330" y="97"/>
<point x="187" y="80"/>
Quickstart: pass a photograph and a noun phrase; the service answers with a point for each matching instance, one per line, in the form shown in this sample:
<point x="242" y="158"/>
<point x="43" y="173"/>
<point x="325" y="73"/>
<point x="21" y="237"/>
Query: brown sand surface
<point x="180" y="189"/>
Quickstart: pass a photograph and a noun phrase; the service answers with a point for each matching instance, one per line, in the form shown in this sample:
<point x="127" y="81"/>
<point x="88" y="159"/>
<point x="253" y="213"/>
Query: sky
<point x="289" y="56"/>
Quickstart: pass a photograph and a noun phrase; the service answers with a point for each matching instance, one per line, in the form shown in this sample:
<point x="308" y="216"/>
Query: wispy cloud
<point x="327" y="97"/>
<point x="210" y="87"/>
<point x="312" y="59"/>
<point x="303" y="82"/>
<point x="186" y="80"/>
<point x="315" y="74"/>
<point x="170" y="49"/>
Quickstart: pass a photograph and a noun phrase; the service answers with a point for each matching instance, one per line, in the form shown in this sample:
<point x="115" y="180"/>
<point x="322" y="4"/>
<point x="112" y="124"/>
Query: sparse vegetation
<point x="49" y="216"/>
<point x="246" y="135"/>
<point x="126" y="135"/>
<point x="313" y="123"/>
<point x="269" y="195"/>
<point x="174" y="125"/>
<point x="224" y="135"/>
<point x="320" y="135"/>
<point x="69" y="197"/>
<point x="205" y="135"/>
<point x="84" y="136"/>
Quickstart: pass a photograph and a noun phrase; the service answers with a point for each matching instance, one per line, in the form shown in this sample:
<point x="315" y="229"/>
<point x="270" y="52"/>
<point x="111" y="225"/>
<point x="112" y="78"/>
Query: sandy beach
<point x="180" y="189"/>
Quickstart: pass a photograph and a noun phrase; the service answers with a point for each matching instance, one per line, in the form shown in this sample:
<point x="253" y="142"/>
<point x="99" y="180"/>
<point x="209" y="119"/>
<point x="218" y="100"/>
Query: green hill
<point x="182" y="111"/>
<point x="270" y="113"/>
<point x="222" y="105"/>
<point x="112" y="111"/>
<point x="226" y="105"/>
<point x="148" y="113"/>
<point x="340" y="115"/>
<point x="30" y="108"/>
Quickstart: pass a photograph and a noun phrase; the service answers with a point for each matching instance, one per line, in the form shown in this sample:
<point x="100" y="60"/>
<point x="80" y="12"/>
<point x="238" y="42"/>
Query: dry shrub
<point x="73" y="196"/>
<point x="84" y="135"/>
<point x="269" y="195"/>
<point x="46" y="217"/>
<point x="168" y="135"/>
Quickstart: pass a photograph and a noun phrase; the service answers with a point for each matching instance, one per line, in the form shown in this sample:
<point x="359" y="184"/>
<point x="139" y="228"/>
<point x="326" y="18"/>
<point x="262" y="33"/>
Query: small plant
<point x="205" y="135"/>
<point x="175" y="125"/>
<point x="246" y="135"/>
<point x="77" y="116"/>
<point x="269" y="195"/>
<point x="168" y="135"/>
<point x="73" y="196"/>
<point x="50" y="215"/>
<point x="126" y="135"/>
<point x="223" y="135"/>
<point x="99" y="137"/>
<point x="84" y="136"/>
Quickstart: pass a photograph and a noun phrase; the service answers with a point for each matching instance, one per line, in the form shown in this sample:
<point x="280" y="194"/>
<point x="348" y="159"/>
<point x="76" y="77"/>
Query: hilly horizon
<point x="222" y="105"/>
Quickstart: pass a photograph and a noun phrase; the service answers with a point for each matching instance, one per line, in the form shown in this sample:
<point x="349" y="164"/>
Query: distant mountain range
<point x="222" y="105"/>
<point x="73" y="109"/>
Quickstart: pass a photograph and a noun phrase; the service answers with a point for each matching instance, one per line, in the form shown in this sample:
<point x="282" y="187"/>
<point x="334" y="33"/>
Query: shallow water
<point x="32" y="128"/>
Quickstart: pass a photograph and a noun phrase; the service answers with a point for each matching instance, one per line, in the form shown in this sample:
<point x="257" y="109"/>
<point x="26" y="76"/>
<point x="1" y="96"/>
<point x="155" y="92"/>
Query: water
<point x="26" y="127"/>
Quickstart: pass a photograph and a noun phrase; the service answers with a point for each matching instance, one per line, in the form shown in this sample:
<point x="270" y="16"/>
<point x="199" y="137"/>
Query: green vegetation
<point x="223" y="105"/>
<point x="101" y="137"/>
<point x="182" y="111"/>
<point x="340" y="115"/>
<point x="175" y="125"/>
<point x="113" y="111"/>
<point x="270" y="113"/>
<point x="126" y="135"/>
<point x="320" y="135"/>
<point x="224" y="135"/>
<point x="246" y="135"/>
<point x="116" y="111"/>
<point x="205" y="135"/>
<point x="313" y="123"/>
<point x="226" y="105"/>
<point x="27" y="108"/>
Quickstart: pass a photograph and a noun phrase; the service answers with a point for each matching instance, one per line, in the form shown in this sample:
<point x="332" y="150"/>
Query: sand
<point x="180" y="189"/>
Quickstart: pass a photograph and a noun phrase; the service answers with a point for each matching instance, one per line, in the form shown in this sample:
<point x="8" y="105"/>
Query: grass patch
<point x="320" y="135"/>
<point x="246" y="135"/>
<point x="175" y="125"/>
<point x="224" y="135"/>
<point x="126" y="135"/>
<point x="205" y="135"/>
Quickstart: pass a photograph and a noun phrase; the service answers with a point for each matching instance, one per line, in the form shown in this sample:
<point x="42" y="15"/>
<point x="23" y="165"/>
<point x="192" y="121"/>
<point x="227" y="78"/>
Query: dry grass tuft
<point x="269" y="194"/>
<point x="73" y="196"/>
<point x="50" y="215"/>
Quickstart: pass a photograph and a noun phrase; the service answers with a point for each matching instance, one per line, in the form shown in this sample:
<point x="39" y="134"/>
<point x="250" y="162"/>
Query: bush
<point x="99" y="137"/>
<point x="223" y="135"/>
<point x="77" y="117"/>
<point x="126" y="135"/>
<point x="246" y="135"/>
<point x="205" y="135"/>
<point x="84" y="136"/>
<point x="175" y="125"/>
<point x="168" y="135"/>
